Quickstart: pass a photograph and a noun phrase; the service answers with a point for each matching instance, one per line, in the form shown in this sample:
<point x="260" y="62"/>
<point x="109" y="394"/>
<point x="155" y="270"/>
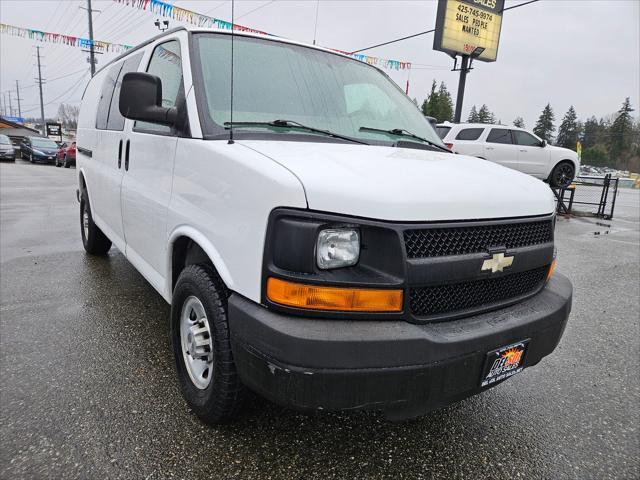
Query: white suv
<point x="323" y="248"/>
<point x="512" y="147"/>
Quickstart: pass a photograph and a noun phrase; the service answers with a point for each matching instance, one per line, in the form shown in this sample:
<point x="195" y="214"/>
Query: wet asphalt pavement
<point x="88" y="387"/>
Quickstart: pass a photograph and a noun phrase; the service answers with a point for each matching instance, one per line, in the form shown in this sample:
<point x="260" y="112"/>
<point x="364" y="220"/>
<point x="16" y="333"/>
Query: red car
<point x="66" y="155"/>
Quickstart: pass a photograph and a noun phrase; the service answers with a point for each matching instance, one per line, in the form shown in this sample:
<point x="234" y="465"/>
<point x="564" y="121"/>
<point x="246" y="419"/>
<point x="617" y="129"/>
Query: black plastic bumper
<point x="401" y="368"/>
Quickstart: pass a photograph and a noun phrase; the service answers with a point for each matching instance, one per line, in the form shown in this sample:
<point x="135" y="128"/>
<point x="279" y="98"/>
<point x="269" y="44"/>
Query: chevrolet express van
<point x="332" y="254"/>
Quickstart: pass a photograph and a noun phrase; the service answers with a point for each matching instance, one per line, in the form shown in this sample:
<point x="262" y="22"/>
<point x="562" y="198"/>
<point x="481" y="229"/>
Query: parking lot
<point x="89" y="391"/>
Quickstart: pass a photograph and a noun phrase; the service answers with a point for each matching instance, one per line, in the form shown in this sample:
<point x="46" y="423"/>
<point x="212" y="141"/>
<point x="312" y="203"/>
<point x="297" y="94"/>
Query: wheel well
<point x="83" y="185"/>
<point x="187" y="252"/>
<point x="566" y="160"/>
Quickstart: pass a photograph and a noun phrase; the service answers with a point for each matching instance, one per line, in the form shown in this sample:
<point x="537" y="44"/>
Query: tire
<point x="216" y="396"/>
<point x="31" y="158"/>
<point x="562" y="175"/>
<point x="64" y="162"/>
<point x="93" y="240"/>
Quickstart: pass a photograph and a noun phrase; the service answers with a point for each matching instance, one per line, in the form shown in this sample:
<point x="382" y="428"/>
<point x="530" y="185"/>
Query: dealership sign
<point x="462" y="26"/>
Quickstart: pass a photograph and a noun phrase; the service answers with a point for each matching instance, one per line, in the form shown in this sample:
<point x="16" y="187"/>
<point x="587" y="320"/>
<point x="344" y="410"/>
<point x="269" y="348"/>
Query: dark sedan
<point x="39" y="149"/>
<point x="6" y="149"/>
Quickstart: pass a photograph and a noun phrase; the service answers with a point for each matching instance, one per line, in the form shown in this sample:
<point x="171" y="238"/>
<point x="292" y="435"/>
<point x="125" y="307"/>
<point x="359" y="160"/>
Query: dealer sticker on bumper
<point x="503" y="363"/>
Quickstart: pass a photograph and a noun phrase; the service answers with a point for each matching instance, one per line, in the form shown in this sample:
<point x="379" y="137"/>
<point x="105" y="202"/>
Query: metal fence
<point x="589" y="196"/>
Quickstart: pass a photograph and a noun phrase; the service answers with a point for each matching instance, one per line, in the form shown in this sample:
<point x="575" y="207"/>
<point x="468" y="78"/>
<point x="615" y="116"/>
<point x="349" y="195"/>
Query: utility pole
<point x="10" y="107"/>
<point x="44" y="127"/>
<point x="92" y="55"/>
<point x="3" y="105"/>
<point x="18" y="95"/>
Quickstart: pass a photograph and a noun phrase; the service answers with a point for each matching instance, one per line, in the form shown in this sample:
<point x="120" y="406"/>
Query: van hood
<point x="403" y="184"/>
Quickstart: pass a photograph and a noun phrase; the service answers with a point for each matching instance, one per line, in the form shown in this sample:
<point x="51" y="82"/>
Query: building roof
<point x="13" y="129"/>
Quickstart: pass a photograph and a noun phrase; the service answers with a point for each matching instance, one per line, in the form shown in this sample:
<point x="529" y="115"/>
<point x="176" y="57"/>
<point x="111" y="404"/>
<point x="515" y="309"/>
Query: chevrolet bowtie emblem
<point x="497" y="263"/>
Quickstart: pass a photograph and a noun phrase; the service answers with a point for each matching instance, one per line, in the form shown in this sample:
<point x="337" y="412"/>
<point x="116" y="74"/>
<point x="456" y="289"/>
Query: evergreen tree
<point x="590" y="133"/>
<point x="620" y="131"/>
<point x="544" y="126"/>
<point x="569" y="132"/>
<point x="473" y="115"/>
<point x="445" y="104"/>
<point x="430" y="103"/>
<point x="519" y="122"/>
<point x="485" y="115"/>
<point x="438" y="103"/>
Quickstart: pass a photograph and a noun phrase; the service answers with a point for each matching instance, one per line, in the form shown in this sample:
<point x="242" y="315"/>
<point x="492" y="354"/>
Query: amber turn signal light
<point x="333" y="298"/>
<point x="552" y="268"/>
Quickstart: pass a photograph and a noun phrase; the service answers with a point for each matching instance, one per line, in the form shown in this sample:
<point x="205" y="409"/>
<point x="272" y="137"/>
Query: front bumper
<point x="401" y="368"/>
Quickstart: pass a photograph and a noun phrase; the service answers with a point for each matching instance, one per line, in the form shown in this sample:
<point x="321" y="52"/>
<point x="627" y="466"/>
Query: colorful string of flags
<point x="165" y="9"/>
<point x="50" y="37"/>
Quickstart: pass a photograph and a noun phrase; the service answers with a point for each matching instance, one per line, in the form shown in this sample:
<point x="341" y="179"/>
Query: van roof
<point x="194" y="29"/>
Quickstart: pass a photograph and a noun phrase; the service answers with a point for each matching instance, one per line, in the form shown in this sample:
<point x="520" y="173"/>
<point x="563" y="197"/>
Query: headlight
<point x="337" y="248"/>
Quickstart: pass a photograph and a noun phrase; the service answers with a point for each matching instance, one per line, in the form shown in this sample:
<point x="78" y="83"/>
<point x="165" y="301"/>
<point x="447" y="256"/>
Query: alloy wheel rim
<point x="85" y="222"/>
<point x="196" y="342"/>
<point x="564" y="175"/>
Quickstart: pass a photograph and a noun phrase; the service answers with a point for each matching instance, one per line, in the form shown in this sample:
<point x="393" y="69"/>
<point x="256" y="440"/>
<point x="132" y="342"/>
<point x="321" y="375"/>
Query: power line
<point x="394" y="41"/>
<point x="519" y="5"/>
<point x="74" y="87"/>
<point x="430" y="31"/>
<point x="255" y="9"/>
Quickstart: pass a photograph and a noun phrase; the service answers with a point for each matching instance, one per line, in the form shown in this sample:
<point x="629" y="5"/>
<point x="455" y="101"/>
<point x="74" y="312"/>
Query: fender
<point x="206" y="245"/>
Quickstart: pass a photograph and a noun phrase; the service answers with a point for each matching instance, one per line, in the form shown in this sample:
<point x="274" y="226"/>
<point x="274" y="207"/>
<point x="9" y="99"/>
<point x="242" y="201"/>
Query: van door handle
<point x="120" y="154"/>
<point x="126" y="157"/>
<point x="523" y="150"/>
<point x="489" y="148"/>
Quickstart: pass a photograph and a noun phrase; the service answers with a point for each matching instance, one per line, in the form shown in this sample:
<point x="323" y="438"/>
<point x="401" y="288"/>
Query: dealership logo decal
<point x="497" y="263"/>
<point x="506" y="365"/>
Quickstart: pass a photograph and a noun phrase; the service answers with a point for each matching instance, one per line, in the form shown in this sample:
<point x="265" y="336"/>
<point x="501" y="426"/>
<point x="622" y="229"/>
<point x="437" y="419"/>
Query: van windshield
<point x="275" y="80"/>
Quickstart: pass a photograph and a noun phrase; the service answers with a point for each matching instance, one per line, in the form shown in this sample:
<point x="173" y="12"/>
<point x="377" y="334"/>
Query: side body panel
<point x="222" y="196"/>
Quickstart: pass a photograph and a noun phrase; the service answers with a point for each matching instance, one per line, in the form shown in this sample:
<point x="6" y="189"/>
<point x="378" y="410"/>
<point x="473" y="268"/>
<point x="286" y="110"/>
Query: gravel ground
<point x="89" y="391"/>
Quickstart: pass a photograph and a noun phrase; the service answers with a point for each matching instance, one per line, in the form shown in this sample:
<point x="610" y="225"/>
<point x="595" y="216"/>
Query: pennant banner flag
<point x="61" y="39"/>
<point x="165" y="9"/>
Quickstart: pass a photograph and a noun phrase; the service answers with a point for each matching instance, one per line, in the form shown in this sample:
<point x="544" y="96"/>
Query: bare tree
<point x="68" y="115"/>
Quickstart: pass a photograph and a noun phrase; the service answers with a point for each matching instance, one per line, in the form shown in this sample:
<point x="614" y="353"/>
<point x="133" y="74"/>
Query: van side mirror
<point x="543" y="143"/>
<point x="141" y="99"/>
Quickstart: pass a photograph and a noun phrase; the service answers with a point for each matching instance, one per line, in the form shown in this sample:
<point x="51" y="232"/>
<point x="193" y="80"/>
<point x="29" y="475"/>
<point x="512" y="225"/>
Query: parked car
<point x="38" y="149"/>
<point x="7" y="153"/>
<point x="514" y="148"/>
<point x="66" y="154"/>
<point x="323" y="248"/>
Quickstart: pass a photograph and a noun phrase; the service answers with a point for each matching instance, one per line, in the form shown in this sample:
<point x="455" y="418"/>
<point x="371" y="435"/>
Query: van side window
<point x="166" y="64"/>
<point x="469" y="134"/>
<point x="116" y="120"/>
<point x="499" y="135"/>
<point x="102" y="114"/>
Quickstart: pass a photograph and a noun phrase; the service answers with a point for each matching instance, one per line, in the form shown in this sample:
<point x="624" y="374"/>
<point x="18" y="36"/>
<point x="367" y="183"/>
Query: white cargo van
<point x="334" y="254"/>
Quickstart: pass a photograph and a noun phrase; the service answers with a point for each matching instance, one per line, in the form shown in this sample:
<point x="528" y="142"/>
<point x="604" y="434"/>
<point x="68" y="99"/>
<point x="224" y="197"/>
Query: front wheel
<point x="93" y="240"/>
<point x="562" y="175"/>
<point x="31" y="157"/>
<point x="202" y="348"/>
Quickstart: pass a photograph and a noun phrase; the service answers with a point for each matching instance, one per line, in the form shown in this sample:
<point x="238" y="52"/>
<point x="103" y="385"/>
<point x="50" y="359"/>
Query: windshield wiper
<point x="405" y="133"/>
<point x="292" y="124"/>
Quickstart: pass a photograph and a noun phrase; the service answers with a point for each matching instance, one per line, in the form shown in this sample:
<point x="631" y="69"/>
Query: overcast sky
<point x="584" y="53"/>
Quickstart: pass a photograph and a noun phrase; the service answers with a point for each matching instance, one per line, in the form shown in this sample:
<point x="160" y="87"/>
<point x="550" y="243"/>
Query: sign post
<point x="471" y="29"/>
